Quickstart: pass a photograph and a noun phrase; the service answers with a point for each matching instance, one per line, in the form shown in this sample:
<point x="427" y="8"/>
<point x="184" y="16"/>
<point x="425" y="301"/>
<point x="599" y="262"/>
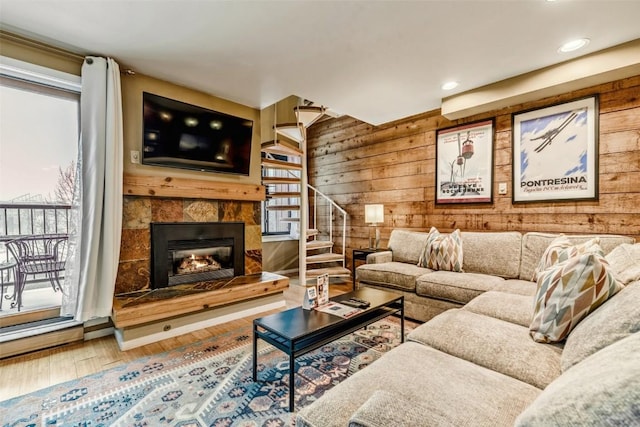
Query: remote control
<point x="356" y="303"/>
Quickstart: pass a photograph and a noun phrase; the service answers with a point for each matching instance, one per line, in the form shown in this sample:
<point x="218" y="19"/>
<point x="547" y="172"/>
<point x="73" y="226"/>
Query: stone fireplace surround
<point x="134" y="269"/>
<point x="142" y="315"/>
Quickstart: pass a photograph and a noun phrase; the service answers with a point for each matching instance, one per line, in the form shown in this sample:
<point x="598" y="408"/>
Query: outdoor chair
<point x="43" y="255"/>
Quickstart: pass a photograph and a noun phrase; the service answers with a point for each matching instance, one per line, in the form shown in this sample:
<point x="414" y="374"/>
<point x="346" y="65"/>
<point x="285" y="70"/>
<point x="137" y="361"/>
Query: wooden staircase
<point x="284" y="174"/>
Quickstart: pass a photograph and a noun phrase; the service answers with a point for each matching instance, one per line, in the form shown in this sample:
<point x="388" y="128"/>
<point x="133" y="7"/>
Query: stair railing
<point x="304" y="206"/>
<point x="317" y="193"/>
<point x="333" y="205"/>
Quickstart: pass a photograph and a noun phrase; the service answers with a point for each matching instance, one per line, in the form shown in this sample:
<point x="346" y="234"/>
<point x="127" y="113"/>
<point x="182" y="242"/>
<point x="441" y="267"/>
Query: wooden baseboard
<point x="38" y="342"/>
<point x="29" y="316"/>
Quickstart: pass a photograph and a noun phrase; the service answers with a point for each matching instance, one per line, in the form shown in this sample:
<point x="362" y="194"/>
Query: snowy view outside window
<point x="38" y="140"/>
<point x="39" y="129"/>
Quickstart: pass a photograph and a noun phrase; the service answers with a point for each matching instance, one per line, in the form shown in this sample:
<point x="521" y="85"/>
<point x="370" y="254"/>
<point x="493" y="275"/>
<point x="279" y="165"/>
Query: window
<point x="39" y="128"/>
<point x="39" y="132"/>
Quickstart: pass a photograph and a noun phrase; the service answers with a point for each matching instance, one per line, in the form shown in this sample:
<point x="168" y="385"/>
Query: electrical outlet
<point x="135" y="157"/>
<point x="502" y="188"/>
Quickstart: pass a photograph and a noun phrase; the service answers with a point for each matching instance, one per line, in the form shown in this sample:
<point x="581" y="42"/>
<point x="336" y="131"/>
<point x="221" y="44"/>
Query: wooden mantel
<point x="141" y="185"/>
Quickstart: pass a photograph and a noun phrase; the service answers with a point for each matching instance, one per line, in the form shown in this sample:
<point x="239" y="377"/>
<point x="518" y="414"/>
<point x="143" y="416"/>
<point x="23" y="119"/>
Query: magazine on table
<point x="317" y="294"/>
<point x="338" y="309"/>
<point x="322" y="286"/>
<point x="310" y="300"/>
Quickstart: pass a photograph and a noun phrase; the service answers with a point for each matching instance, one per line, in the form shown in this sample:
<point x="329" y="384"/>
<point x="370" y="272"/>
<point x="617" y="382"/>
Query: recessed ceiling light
<point x="450" y="85"/>
<point x="191" y="122"/>
<point x="573" y="45"/>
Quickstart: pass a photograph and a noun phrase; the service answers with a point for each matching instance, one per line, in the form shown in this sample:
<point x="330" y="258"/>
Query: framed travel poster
<point x="555" y="152"/>
<point x="464" y="163"/>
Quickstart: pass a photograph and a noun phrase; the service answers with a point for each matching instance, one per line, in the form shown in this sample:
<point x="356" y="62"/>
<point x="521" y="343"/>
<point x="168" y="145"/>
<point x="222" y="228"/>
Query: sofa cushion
<point x="567" y="292"/>
<point x="384" y="409"/>
<point x="407" y="246"/>
<point x="398" y="275"/>
<point x="601" y="390"/>
<point x="442" y="251"/>
<point x="456" y="287"/>
<point x="505" y="306"/>
<point x="504" y="250"/>
<point x="417" y="307"/>
<point x="420" y="373"/>
<point x="494" y="344"/>
<point x="379" y="257"/>
<point x="534" y="245"/>
<point x="517" y="286"/>
<point x="561" y="249"/>
<point x="616" y="319"/>
<point x="625" y="262"/>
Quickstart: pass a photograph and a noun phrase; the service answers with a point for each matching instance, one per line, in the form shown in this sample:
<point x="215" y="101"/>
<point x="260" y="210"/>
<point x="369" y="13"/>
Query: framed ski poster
<point x="555" y="152"/>
<point x="464" y="163"/>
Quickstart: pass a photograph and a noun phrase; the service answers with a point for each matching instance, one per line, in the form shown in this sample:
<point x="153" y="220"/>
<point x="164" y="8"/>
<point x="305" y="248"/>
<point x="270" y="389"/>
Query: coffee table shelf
<point x="298" y="331"/>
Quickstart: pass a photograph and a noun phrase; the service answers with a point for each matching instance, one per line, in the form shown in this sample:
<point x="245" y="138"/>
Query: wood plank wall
<point x="394" y="164"/>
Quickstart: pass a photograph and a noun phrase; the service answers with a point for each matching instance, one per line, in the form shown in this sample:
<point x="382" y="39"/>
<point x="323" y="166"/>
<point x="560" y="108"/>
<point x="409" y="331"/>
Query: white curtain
<point x="94" y="238"/>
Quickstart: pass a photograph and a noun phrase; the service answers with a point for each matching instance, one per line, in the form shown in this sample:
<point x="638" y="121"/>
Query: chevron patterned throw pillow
<point x="568" y="291"/>
<point x="561" y="249"/>
<point x="442" y="251"/>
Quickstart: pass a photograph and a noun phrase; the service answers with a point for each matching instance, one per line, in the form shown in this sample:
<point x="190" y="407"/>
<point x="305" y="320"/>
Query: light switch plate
<point x="135" y="157"/>
<point x="502" y="188"/>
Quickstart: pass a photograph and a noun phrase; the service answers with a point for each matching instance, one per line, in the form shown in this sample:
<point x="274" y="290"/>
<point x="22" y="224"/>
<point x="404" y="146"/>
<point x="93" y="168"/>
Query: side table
<point x="361" y="254"/>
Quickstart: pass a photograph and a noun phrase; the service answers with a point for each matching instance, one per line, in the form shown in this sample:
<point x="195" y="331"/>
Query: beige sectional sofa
<point x="474" y="363"/>
<point x="493" y="261"/>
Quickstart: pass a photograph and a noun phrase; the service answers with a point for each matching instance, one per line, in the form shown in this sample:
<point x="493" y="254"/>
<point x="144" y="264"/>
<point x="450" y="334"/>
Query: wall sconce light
<point x="374" y="215"/>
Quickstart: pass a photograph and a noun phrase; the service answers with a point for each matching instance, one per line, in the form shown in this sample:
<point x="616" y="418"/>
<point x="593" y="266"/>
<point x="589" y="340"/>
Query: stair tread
<point x="331" y="271"/>
<point x="283" y="194"/>
<point x="327" y="257"/>
<point x="280" y="164"/>
<point x="279" y="146"/>
<point x="277" y="180"/>
<point x="289" y="219"/>
<point x="319" y="244"/>
<point x="283" y="207"/>
<point x="290" y="130"/>
<point x="308" y="114"/>
<point x="309" y="108"/>
<point x="287" y="125"/>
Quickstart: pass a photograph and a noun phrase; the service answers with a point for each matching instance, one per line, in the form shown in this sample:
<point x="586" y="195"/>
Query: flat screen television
<point x="186" y="136"/>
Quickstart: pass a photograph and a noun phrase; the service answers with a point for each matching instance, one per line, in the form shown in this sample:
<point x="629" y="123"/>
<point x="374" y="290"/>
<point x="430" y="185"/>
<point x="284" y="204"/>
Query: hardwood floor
<point x="32" y="371"/>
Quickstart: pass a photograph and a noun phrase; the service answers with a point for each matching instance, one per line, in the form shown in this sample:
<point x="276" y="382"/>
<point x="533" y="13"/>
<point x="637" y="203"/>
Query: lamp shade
<point x="373" y="214"/>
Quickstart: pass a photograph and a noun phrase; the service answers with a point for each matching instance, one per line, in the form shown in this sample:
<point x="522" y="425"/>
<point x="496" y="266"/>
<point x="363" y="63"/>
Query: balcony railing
<point x="29" y="219"/>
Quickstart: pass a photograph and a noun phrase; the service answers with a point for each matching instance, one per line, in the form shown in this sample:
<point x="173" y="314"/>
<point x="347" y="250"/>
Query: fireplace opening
<point x="184" y="253"/>
<point x="199" y="261"/>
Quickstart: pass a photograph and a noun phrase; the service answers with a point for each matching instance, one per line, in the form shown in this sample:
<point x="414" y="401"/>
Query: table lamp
<point x="373" y="215"/>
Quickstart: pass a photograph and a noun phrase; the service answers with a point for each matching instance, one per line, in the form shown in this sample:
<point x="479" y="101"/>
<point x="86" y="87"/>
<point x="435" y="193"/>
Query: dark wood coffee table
<point x="297" y="331"/>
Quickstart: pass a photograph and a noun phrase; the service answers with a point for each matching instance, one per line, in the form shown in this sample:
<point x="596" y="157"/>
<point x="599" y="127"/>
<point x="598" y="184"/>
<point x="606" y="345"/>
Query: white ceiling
<point x="374" y="60"/>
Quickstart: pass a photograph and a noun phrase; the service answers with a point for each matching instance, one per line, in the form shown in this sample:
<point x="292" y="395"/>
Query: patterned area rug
<point x="205" y="384"/>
